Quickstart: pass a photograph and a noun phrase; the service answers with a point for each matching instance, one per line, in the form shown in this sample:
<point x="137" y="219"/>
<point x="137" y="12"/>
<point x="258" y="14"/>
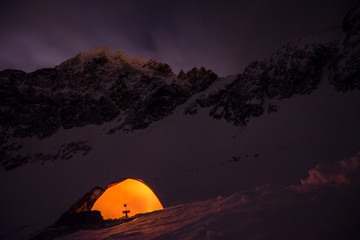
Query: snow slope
<point x="324" y="206"/>
<point x="186" y="158"/>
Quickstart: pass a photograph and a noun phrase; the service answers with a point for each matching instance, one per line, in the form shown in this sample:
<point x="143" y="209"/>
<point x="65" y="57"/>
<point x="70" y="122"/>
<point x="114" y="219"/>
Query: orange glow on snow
<point x="137" y="196"/>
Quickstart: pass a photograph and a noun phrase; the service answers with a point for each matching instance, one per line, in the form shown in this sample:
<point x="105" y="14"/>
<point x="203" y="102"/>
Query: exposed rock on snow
<point x="296" y="68"/>
<point x="197" y="80"/>
<point x="99" y="86"/>
<point x="92" y="88"/>
<point x="346" y="71"/>
<point x="10" y="158"/>
<point x="71" y="223"/>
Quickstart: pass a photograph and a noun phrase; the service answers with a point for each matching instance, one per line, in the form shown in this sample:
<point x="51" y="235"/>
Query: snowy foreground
<point x="324" y="206"/>
<point x="194" y="158"/>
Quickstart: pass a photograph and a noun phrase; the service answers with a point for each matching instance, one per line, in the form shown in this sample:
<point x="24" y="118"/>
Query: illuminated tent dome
<point x="131" y="195"/>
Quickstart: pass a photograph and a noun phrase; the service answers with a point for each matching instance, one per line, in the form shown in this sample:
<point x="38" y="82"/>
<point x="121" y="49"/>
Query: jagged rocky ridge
<point x="296" y="68"/>
<point x="92" y="88"/>
<point x="11" y="159"/>
<point x="345" y="68"/>
<point x="291" y="70"/>
<point x="100" y="86"/>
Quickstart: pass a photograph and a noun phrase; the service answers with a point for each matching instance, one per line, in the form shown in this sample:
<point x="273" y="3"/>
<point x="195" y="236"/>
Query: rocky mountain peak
<point x="162" y="68"/>
<point x="351" y="25"/>
<point x="102" y="56"/>
<point x="94" y="87"/>
<point x="98" y="51"/>
<point x="197" y="79"/>
<point x="296" y="68"/>
<point x="100" y="86"/>
<point x="345" y="69"/>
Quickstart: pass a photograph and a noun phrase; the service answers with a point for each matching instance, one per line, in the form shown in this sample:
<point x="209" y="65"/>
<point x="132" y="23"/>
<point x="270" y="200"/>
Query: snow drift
<point x="327" y="210"/>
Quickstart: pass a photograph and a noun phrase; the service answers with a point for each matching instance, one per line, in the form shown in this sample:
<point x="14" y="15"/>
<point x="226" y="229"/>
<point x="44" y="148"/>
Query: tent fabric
<point x="120" y="180"/>
<point x="127" y="195"/>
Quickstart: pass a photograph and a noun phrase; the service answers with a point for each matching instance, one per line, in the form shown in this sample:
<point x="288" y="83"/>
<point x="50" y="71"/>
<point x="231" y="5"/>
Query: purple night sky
<point x="223" y="36"/>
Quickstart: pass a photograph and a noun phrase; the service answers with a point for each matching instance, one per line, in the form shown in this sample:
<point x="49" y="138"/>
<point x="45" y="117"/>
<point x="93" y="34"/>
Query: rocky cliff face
<point x="345" y="68"/>
<point x="296" y="68"/>
<point x="99" y="86"/>
<point x="92" y="88"/>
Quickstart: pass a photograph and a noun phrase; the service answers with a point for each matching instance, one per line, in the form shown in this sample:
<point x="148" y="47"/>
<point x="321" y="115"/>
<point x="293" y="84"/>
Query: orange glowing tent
<point x="127" y="197"/>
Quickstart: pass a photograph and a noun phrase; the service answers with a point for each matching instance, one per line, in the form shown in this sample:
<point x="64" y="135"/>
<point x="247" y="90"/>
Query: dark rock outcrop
<point x="92" y="88"/>
<point x="99" y="86"/>
<point x="197" y="80"/>
<point x="10" y="158"/>
<point x="71" y="223"/>
<point x="296" y="68"/>
<point x="346" y="70"/>
<point x="80" y="217"/>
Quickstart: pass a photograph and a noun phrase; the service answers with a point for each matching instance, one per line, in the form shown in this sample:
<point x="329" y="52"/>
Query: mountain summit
<point x="94" y="87"/>
<point x="117" y="60"/>
<point x="99" y="86"/>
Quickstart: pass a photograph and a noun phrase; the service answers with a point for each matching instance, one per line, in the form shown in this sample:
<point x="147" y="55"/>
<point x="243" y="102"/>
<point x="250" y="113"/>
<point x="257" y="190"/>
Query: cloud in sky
<point x="224" y="36"/>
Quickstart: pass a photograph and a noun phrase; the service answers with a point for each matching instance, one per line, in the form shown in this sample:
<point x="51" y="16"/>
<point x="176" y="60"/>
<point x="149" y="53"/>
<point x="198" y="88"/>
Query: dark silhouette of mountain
<point x="296" y="68"/>
<point x="99" y="86"/>
<point x="92" y="88"/>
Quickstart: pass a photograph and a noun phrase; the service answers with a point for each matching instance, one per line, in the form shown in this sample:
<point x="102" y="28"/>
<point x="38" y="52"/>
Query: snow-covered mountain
<point x="94" y="87"/>
<point x="102" y="115"/>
